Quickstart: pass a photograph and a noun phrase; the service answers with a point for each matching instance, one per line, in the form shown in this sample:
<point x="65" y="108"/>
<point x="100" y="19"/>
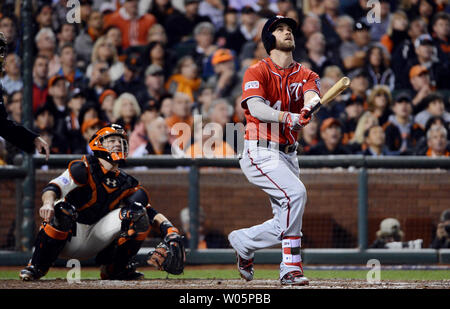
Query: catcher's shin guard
<point x="50" y="241"/>
<point x="116" y="257"/>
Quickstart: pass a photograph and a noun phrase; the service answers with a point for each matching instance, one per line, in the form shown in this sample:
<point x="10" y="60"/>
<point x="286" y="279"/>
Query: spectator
<point x="68" y="66"/>
<point x="375" y="141"/>
<point x="434" y="107"/>
<point x="57" y="98"/>
<point x="225" y="80"/>
<point x="405" y="52"/>
<point x="201" y="48"/>
<point x="401" y="132"/>
<point x="44" y="16"/>
<point x="421" y="146"/>
<point x="329" y="19"/>
<point x="377" y="67"/>
<point x="220" y="113"/>
<point x="74" y="137"/>
<point x="247" y="23"/>
<point x="66" y="34"/>
<point x="8" y="26"/>
<point x="389" y="233"/>
<point x="214" y="9"/>
<point x="157" y="135"/>
<point x="365" y="122"/>
<point x="331" y="135"/>
<point x="40" y="83"/>
<point x="354" y="107"/>
<point x="379" y="28"/>
<point x="229" y="35"/>
<point x="180" y="27"/>
<point x="154" y="82"/>
<point x="309" y="136"/>
<point x="104" y="51"/>
<point x="11" y="80"/>
<point x="131" y="80"/>
<point x="114" y="35"/>
<point x="44" y="124"/>
<point x="441" y="32"/>
<point x="3" y="152"/>
<point x="185" y="78"/>
<point x="84" y="42"/>
<point x="126" y="111"/>
<point x="180" y="120"/>
<point x="14" y="106"/>
<point x="333" y="72"/>
<point x="379" y="102"/>
<point x="310" y="24"/>
<point x="134" y="27"/>
<point x="166" y="106"/>
<point x="46" y="46"/>
<point x="359" y="84"/>
<point x="159" y="55"/>
<point x="396" y="32"/>
<point x="162" y="10"/>
<point x="98" y="81"/>
<point x="85" y="12"/>
<point x="344" y="29"/>
<point x="106" y="101"/>
<point x="427" y="8"/>
<point x="204" y="99"/>
<point x="207" y="238"/>
<point x="419" y="78"/>
<point x="208" y="141"/>
<point x="88" y="129"/>
<point x="432" y="58"/>
<point x="248" y="49"/>
<point x="437" y="142"/>
<point x="353" y="53"/>
<point x="157" y="33"/>
<point x="317" y="53"/>
<point x="89" y="110"/>
<point x="138" y="136"/>
<point x="442" y="238"/>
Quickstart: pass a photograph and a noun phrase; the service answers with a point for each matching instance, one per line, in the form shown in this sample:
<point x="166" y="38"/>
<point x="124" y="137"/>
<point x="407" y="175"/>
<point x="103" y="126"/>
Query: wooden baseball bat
<point x="331" y="94"/>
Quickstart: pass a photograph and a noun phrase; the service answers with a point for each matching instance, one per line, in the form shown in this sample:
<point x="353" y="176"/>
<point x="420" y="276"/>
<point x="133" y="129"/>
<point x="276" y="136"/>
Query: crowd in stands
<point x="152" y="64"/>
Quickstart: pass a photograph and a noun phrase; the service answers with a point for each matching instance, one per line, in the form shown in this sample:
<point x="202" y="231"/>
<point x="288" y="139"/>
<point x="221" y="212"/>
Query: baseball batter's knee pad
<point x="65" y="216"/>
<point x="134" y="219"/>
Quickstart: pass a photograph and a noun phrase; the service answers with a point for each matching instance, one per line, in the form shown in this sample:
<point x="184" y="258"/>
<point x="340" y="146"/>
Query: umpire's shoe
<point x="295" y="277"/>
<point x="31" y="273"/>
<point x="129" y="273"/>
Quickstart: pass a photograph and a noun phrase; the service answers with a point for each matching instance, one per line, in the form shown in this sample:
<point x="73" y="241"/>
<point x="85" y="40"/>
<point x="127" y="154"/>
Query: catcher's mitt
<point x="169" y="255"/>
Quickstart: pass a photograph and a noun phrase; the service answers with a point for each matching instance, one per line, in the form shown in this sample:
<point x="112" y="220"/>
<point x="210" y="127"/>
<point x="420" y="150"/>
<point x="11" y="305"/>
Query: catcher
<point x="94" y="209"/>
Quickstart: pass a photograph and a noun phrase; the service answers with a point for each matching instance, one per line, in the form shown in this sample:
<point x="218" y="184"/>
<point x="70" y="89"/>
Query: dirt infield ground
<point x="221" y="284"/>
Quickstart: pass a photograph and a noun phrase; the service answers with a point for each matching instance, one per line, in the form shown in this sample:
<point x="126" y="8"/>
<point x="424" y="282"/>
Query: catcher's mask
<point x="110" y="143"/>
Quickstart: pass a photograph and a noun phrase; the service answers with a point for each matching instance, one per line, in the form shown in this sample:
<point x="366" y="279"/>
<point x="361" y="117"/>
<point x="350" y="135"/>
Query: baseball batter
<point x="94" y="209"/>
<point x="277" y="95"/>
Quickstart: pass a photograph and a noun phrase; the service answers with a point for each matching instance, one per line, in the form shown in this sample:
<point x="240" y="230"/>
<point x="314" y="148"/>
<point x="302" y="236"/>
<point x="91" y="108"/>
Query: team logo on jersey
<point x="112" y="183"/>
<point x="254" y="84"/>
<point x="294" y="90"/>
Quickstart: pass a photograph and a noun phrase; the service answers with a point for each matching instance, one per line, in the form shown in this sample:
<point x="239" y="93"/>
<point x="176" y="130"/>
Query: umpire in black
<point x="15" y="133"/>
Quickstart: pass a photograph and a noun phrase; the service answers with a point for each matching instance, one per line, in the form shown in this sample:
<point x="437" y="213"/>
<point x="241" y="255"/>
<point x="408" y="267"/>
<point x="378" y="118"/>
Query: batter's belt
<point x="286" y="148"/>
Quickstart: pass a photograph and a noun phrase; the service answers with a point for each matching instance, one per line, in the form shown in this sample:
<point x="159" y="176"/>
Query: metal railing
<point x="359" y="162"/>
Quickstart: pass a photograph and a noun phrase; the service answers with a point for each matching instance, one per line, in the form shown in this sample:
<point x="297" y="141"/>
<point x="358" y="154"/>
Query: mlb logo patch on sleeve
<point x="254" y="84"/>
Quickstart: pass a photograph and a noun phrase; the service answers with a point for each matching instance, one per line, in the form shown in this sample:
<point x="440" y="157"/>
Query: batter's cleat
<point x="245" y="267"/>
<point x="295" y="277"/>
<point x="129" y="273"/>
<point x="31" y="273"/>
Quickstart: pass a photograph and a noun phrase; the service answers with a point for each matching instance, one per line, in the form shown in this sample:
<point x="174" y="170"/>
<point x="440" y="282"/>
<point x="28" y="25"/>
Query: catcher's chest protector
<point x="102" y="193"/>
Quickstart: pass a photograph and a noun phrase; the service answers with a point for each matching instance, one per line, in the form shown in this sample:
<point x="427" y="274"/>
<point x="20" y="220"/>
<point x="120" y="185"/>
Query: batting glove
<point x="304" y="118"/>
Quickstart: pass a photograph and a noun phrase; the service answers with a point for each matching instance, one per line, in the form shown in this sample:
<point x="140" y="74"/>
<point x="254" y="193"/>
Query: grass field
<point x="214" y="273"/>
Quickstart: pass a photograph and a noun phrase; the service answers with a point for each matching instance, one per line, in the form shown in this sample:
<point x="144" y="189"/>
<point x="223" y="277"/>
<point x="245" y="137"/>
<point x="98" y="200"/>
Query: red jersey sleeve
<point x="253" y="84"/>
<point x="312" y="82"/>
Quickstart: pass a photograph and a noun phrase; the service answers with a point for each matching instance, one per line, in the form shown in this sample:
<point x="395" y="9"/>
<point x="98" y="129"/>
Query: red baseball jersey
<point x="281" y="89"/>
